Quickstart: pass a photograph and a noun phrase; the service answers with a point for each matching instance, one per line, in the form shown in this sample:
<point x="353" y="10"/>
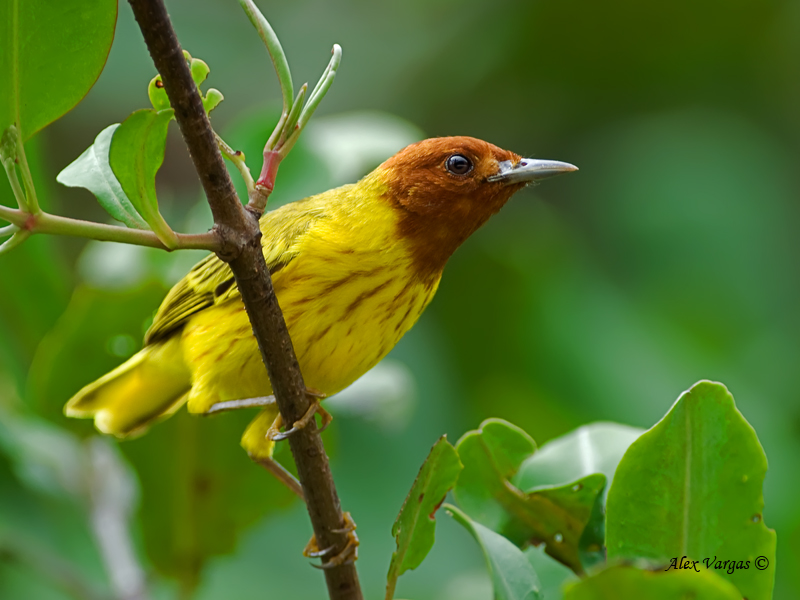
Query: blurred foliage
<point x="670" y="257"/>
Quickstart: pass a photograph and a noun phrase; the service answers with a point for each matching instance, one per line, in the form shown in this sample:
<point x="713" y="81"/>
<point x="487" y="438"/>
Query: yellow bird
<point x="353" y="269"/>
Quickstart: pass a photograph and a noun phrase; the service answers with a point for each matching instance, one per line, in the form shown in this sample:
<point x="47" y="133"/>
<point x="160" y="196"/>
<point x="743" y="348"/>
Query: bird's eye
<point x="458" y="164"/>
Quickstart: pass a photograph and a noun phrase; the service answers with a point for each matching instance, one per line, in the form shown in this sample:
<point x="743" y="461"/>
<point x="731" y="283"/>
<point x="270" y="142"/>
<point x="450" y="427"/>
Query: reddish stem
<point x="269" y="170"/>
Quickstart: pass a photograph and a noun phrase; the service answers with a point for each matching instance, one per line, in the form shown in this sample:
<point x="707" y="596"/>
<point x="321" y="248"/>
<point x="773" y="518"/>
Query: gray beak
<point x="530" y="170"/>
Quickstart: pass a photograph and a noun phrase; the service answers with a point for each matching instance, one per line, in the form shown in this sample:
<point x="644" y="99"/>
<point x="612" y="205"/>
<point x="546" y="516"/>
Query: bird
<point x="353" y="269"/>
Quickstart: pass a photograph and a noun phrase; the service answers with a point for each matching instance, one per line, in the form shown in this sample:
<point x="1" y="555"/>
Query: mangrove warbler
<point x="353" y="269"/>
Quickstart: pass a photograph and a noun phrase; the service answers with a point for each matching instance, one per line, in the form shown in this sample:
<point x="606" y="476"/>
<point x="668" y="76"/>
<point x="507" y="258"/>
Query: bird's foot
<point x="261" y="401"/>
<point x="275" y="434"/>
<point x="347" y="556"/>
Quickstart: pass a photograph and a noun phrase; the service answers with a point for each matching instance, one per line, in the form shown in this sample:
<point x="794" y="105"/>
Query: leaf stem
<point x="12" y="215"/>
<point x="8" y="230"/>
<point x="13" y="179"/>
<point x="238" y="159"/>
<point x="276" y="53"/>
<point x="27" y="179"/>
<point x="14" y="241"/>
<point x="322" y="87"/>
<point x="291" y="120"/>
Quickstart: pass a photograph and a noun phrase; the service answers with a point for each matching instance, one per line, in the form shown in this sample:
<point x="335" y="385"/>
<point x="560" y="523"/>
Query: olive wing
<point x="211" y="282"/>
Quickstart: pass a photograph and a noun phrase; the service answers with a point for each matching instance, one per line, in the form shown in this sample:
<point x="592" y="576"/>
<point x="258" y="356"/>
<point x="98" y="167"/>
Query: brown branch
<point x="238" y="229"/>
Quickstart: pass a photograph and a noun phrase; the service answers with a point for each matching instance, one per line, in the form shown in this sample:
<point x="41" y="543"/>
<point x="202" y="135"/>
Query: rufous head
<point x="446" y="188"/>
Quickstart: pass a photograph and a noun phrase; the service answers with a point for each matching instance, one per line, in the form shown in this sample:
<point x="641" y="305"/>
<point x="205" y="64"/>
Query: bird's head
<point x="446" y="188"/>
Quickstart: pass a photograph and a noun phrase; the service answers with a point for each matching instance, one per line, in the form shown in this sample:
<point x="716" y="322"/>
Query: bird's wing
<point x="211" y="282"/>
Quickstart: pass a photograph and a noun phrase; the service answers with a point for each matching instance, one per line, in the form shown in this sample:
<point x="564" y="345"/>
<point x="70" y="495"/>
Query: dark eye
<point x="458" y="164"/>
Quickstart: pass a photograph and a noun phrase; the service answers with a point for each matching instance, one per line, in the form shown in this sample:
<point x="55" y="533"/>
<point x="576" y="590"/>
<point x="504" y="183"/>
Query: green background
<point x="670" y="257"/>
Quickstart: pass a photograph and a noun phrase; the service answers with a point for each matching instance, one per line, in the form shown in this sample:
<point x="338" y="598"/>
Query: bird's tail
<point x="151" y="385"/>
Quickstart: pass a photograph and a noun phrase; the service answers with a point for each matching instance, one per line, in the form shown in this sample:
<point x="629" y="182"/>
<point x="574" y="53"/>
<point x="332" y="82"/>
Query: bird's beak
<point x="530" y="170"/>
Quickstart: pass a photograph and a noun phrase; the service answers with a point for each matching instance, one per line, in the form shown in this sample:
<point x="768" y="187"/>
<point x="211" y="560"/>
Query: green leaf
<point x="137" y="151"/>
<point x="275" y="50"/>
<point x="491" y="456"/>
<point x="513" y="577"/>
<point x="556" y="515"/>
<point x="323" y="85"/>
<point x="8" y="144"/>
<point x="91" y="170"/>
<point x="594" y="448"/>
<point x="291" y="119"/>
<point x="691" y="486"/>
<point x="626" y="582"/>
<point x="198" y="68"/>
<point x="415" y="526"/>
<point x="157" y="94"/>
<point x="212" y="99"/>
<point x="51" y="53"/>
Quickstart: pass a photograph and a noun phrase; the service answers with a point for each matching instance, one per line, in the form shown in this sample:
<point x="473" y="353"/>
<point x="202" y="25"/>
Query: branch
<point x="47" y="223"/>
<point x="240" y="233"/>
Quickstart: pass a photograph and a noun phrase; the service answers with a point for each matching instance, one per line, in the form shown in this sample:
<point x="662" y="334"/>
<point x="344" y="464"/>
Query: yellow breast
<point x="348" y="297"/>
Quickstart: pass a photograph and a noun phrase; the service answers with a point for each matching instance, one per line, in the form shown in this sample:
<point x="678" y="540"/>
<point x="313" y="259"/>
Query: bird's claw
<point x="227" y="405"/>
<point x="349" y="553"/>
<point x="308" y="553"/>
<point x="274" y="433"/>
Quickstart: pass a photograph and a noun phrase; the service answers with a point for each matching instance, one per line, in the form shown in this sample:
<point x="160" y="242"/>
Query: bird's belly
<point x="341" y="324"/>
<point x="351" y="321"/>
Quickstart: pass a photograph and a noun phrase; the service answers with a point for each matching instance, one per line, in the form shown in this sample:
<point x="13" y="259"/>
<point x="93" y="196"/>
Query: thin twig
<point x="242" y="250"/>
<point x="56" y="225"/>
